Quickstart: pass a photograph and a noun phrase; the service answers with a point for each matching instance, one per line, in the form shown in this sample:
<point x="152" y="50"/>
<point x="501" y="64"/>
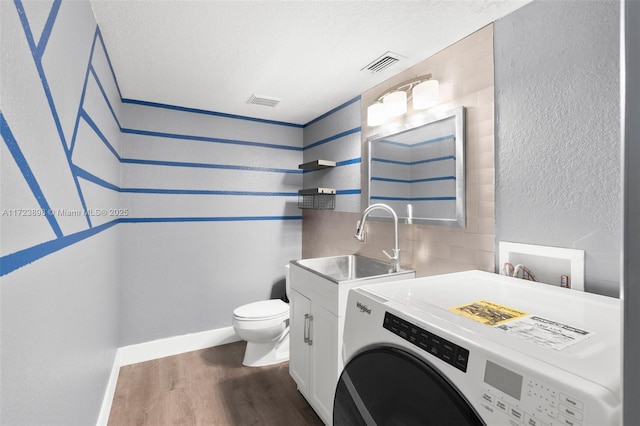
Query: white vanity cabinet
<point x="317" y="307"/>
<point x="313" y="348"/>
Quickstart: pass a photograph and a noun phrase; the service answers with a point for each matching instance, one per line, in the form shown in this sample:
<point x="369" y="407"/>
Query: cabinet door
<point x="299" y="349"/>
<point x="324" y="361"/>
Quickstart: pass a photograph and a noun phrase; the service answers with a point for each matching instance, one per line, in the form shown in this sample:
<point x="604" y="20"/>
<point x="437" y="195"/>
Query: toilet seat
<point x="262" y="310"/>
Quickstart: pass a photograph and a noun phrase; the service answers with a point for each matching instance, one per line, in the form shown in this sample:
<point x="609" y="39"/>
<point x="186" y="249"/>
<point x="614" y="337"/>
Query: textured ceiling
<point x="214" y="55"/>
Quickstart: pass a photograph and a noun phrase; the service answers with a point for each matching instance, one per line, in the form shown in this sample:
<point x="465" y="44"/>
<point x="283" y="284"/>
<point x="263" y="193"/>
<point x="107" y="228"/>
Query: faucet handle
<point x="395" y="260"/>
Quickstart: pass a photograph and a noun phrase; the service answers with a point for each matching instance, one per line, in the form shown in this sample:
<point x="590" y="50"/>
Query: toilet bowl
<point x="265" y="327"/>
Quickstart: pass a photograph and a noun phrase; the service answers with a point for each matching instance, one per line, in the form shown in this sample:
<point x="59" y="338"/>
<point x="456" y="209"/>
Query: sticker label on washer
<point x="544" y="332"/>
<point x="488" y="313"/>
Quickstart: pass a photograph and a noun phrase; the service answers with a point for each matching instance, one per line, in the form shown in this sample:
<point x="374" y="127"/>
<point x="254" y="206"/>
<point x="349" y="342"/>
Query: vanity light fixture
<point x="422" y="91"/>
<point x="395" y="103"/>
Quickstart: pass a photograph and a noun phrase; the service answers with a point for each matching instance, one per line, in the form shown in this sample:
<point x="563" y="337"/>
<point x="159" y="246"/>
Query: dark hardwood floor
<point x="208" y="387"/>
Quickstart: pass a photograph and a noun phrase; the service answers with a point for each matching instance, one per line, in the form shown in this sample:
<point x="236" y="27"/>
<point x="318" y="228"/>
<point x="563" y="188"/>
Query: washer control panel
<point x="527" y="401"/>
<point x="435" y="345"/>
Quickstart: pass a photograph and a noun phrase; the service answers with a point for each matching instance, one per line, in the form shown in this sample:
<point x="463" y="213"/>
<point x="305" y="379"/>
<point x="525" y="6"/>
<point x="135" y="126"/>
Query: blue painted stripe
<point x="27" y="29"/>
<point x="97" y="131"/>
<point x="214" y="113"/>
<point x="413" y="145"/>
<point x="432" y="179"/>
<point x="208" y="139"/>
<point x="47" y="91"/>
<point x="104" y="95"/>
<point x="76" y="125"/>
<point x="88" y="119"/>
<point x="348" y="191"/>
<point x="334" y="137"/>
<point x="206" y="192"/>
<point x="48" y="26"/>
<point x="431" y="160"/>
<point x="433" y="199"/>
<point x="413" y="163"/>
<point x="101" y="182"/>
<point x="13" y="261"/>
<point x="40" y="69"/>
<point x="387" y="161"/>
<point x="390" y="142"/>
<point x="333" y="111"/>
<point x="106" y="54"/>
<point x="82" y="96"/>
<point x="81" y="173"/>
<point x="436" y="140"/>
<point x="93" y="125"/>
<point x="208" y="166"/>
<point x="349" y="162"/>
<point x="414" y="198"/>
<point x="31" y="180"/>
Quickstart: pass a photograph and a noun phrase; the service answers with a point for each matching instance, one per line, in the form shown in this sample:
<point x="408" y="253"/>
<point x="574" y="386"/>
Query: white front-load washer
<point x="476" y="348"/>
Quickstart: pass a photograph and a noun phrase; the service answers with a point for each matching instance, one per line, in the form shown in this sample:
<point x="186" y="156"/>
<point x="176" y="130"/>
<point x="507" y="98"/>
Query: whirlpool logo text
<point x="363" y="308"/>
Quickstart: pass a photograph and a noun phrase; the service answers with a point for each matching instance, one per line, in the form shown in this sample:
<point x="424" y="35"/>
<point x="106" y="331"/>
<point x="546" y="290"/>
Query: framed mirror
<point x="418" y="169"/>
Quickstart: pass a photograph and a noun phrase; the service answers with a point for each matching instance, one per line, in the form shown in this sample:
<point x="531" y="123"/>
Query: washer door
<point x="388" y="386"/>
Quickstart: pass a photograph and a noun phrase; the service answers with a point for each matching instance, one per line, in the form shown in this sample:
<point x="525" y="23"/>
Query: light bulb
<point x="426" y="94"/>
<point x="395" y="103"/>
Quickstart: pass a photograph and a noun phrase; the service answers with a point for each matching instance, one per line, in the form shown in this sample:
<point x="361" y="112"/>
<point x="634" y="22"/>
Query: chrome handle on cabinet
<point x="306" y="328"/>
<point x="309" y="338"/>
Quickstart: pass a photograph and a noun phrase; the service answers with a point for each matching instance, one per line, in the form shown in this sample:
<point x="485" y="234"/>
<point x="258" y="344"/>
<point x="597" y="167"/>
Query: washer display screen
<point x="503" y="379"/>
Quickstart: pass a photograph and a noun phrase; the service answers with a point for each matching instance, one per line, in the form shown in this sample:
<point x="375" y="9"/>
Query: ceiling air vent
<point x="263" y="100"/>
<point x="382" y="63"/>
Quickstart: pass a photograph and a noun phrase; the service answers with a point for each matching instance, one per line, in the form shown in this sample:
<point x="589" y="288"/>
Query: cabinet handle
<point x="306" y="328"/>
<point x="309" y="338"/>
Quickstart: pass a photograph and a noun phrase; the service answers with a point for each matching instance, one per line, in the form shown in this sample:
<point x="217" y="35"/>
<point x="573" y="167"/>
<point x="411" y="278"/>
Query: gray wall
<point x="336" y="136"/>
<point x="201" y="215"/>
<point x="632" y="213"/>
<point x="558" y="132"/>
<point x="176" y="261"/>
<point x="212" y="219"/>
<point x="59" y="271"/>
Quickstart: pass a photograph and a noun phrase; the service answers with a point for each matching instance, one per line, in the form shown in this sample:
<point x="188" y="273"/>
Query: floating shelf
<point x="317" y="198"/>
<point x="316" y="191"/>
<point x="317" y="165"/>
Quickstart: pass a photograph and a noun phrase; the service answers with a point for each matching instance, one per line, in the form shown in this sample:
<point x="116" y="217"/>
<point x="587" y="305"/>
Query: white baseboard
<point x="105" y="409"/>
<point x="155" y="349"/>
<point x="176" y="345"/>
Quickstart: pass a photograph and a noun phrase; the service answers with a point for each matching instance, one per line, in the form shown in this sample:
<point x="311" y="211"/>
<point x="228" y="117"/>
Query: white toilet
<point x="265" y="327"/>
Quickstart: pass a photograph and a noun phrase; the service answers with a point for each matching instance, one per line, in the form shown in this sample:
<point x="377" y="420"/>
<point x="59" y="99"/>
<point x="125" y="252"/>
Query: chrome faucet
<point x="395" y="259"/>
